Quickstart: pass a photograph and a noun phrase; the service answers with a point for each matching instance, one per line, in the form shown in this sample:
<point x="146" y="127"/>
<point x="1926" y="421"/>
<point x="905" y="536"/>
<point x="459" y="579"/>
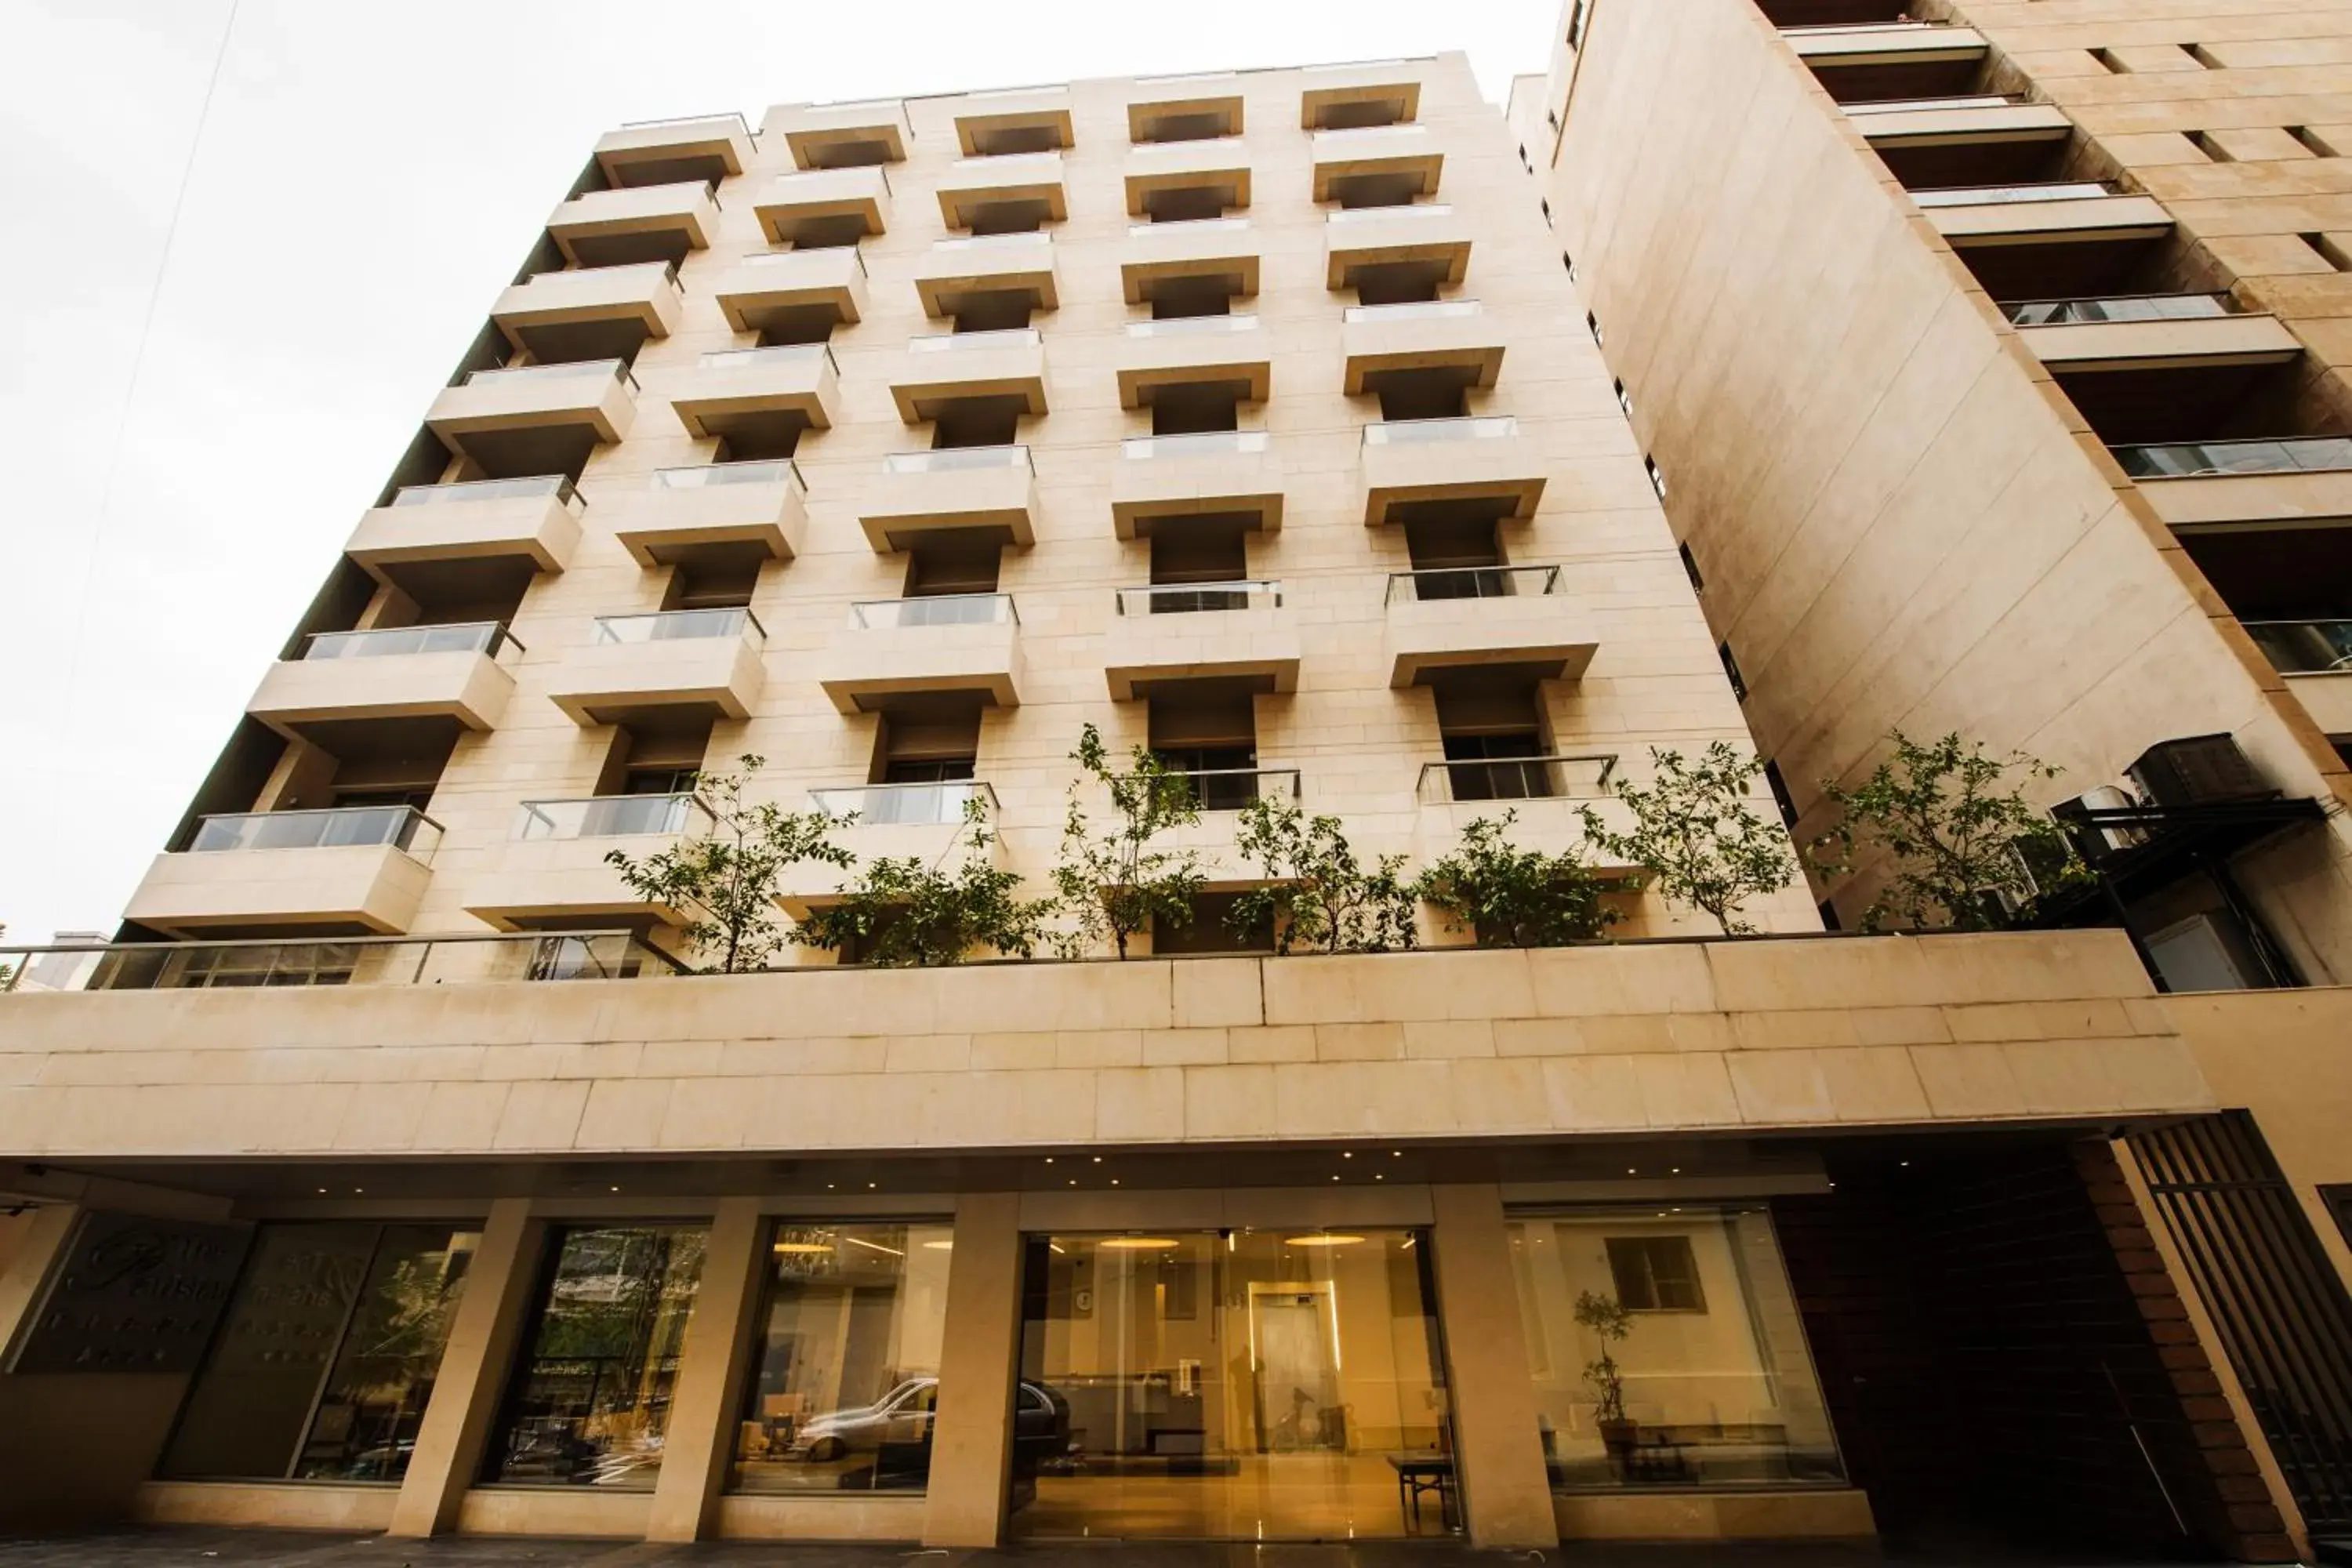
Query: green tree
<point x="1114" y="883"/>
<point x="1504" y="895"/>
<point x="1970" y="852"/>
<point x="1318" y="894"/>
<point x="1611" y="1323"/>
<point x="724" y="883"/>
<point x="900" y="912"/>
<point x="1697" y="833"/>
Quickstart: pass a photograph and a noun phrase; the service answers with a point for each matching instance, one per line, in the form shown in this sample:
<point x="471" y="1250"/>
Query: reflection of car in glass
<point x="902" y="1419"/>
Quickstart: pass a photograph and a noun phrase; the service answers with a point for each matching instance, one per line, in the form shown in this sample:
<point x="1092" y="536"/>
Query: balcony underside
<point x="911" y="668"/>
<point x="1252" y="650"/>
<point x="299" y="697"/>
<point x="683" y="680"/>
<point x="342" y="891"/>
<point x="448" y="551"/>
<point x="901" y="510"/>
<point x="712" y="524"/>
<point x="522" y="429"/>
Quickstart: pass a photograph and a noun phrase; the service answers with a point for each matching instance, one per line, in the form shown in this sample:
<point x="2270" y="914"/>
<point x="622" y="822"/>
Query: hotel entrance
<point x="1236" y="1385"/>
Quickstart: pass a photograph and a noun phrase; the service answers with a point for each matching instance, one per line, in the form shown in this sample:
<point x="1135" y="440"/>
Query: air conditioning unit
<point x="2106" y="797"/>
<point x="2199" y="770"/>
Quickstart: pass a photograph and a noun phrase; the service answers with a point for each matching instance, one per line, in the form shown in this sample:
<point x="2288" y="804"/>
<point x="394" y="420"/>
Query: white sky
<point x="370" y="174"/>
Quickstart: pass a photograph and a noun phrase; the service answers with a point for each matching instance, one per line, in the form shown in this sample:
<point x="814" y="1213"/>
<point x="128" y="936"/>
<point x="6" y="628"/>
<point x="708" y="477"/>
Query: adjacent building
<point x="392" y="1170"/>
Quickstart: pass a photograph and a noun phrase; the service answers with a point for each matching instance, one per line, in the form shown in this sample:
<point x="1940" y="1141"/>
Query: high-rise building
<point x="400" y="1165"/>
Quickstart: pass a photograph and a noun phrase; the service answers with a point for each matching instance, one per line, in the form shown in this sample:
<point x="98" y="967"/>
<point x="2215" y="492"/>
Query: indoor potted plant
<point x="1611" y="1322"/>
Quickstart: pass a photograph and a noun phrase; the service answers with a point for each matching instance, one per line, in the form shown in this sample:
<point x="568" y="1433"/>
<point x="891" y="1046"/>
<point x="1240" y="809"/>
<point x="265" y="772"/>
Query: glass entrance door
<point x="1254" y="1384"/>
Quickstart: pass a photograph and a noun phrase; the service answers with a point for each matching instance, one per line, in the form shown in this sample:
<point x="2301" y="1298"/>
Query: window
<point x="1592" y="325"/>
<point x="1577" y="16"/>
<point x="1624" y="400"/>
<point x="1546" y="204"/>
<point x="1569" y="262"/>
<point x="1780" y="788"/>
<point x="845" y="1373"/>
<point x="1657" y="476"/>
<point x="1690" y="568"/>
<point x="590" y="1402"/>
<point x="1731" y="671"/>
<point x="1709" y="1384"/>
<point x="1654" y="1274"/>
<point x="323" y="1366"/>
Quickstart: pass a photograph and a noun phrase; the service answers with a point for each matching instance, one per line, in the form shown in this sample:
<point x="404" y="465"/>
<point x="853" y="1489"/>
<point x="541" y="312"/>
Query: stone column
<point x="971" y="1434"/>
<point x="456" y="1425"/>
<point x="1497" y="1452"/>
<point x="707" y="1397"/>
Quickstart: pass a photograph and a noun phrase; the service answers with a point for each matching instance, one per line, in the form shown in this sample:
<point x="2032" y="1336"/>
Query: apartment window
<point x="1457" y="559"/>
<point x="994" y="309"/>
<point x="1731" y="671"/>
<point x="845" y="1370"/>
<point x="1546" y="204"/>
<point x="920" y="747"/>
<point x="1197" y="407"/>
<point x="652" y="758"/>
<point x="323" y="1367"/>
<point x="979" y="422"/>
<point x="1657" y="476"/>
<point x="1576" y="20"/>
<point x="1209" y="736"/>
<point x="1690" y="568"/>
<point x="1494" y="744"/>
<point x="715" y="582"/>
<point x="1714" y="1385"/>
<point x="1780" y="788"/>
<point x="1624" y="400"/>
<point x="952" y="565"/>
<point x="1592" y="325"/>
<point x="589" y="1406"/>
<point x="1569" y="262"/>
<point x="1827" y="909"/>
<point x="1205" y="552"/>
<point x="1435" y="392"/>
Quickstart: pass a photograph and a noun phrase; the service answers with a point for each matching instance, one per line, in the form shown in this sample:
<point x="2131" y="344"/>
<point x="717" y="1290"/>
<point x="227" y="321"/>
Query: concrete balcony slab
<point x="2327" y="696"/>
<point x="651" y="223"/>
<point x="534" y="521"/>
<point x="1016" y="121"/>
<point x="1892" y="43"/>
<point x="1427" y="235"/>
<point x="1190" y="110"/>
<point x="1439" y="334"/>
<point x="944" y="368"/>
<point x="1534" y="634"/>
<point x="842" y="135"/>
<point x="535" y="419"/>
<point x="721" y="508"/>
<point x="1378" y="92"/>
<point x="1156" y="255"/>
<point x="634" y="666"/>
<point x="1160" y="481"/>
<point x="917" y="495"/>
<point x="756" y="399"/>
<point x="1402" y="160"/>
<point x="469" y="685"/>
<point x="1257" y="647"/>
<point x="1193" y="351"/>
<point x="2196" y="342"/>
<point x="786" y="287"/>
<point x="1484" y="459"/>
<point x="1216" y="172"/>
<point x="872" y="667"/>
<point x="353" y="888"/>
<point x="660" y="153"/>
<point x="596" y="312"/>
<point x="972" y="187"/>
<point x="2108" y="218"/>
<point x="954" y="269"/>
<point x="837" y="205"/>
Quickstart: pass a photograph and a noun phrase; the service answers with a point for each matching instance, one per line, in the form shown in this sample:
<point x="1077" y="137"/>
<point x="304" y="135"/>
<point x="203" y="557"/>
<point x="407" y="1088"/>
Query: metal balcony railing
<point x="390" y="641"/>
<point x="613" y="816"/>
<point x="2120" y="308"/>
<point x="704" y="476"/>
<point x="935" y="610"/>
<point x="1413" y="310"/>
<point x="616" y="369"/>
<point x="953" y="343"/>
<point x="1229" y="789"/>
<point x="905" y="805"/>
<point x="2189" y="459"/>
<point x="1515" y="778"/>
<point x="1471" y="582"/>
<point x="463" y="490"/>
<point x="1412" y="432"/>
<point x="404" y="828"/>
<point x="1995" y="195"/>
<point x="951" y="459"/>
<point x="1198" y="443"/>
<point x="345" y="960"/>
<point x="676" y="625"/>
<point x="1189" y="598"/>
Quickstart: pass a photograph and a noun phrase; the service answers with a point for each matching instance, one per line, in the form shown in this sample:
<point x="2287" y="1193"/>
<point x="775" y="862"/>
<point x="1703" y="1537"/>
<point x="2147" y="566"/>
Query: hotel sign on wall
<point x="135" y="1294"/>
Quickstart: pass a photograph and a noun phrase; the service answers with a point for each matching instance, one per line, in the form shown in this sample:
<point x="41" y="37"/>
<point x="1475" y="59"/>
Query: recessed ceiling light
<point x="1321" y="1239"/>
<point x="803" y="1246"/>
<point x="1137" y="1243"/>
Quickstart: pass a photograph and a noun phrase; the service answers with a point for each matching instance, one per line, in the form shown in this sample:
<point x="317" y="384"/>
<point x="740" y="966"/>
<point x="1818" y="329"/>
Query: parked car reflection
<point x="887" y="1444"/>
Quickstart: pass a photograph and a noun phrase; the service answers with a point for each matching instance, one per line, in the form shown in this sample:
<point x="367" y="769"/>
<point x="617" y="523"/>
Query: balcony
<point x="535" y="419"/>
<point x="1407" y="462"/>
<point x="1376" y="92"/>
<point x="1181" y="180"/>
<point x="1428" y="236"/>
<point x="831" y="207"/>
<point x="2315" y="658"/>
<point x="1193" y="351"/>
<point x="348" y="869"/>
<point x="665" y="151"/>
<point x="944" y="368"/>
<point x="953" y="271"/>
<point x="916" y="651"/>
<point x="895" y="821"/>
<point x="2151" y="332"/>
<point x="1019" y="120"/>
<point x="714" y="511"/>
<point x="1487" y="621"/>
<point x="1171" y="633"/>
<point x="759" y="401"/>
<point x="1547" y="794"/>
<point x="689" y="662"/>
<point x="1184" y="108"/>
<point x="784" y="291"/>
<point x="1454" y="335"/>
<point x="443" y="960"/>
<point x="1377" y="164"/>
<point x="2048" y="238"/>
<point x="595" y="313"/>
<point x="431" y="532"/>
<point x="464" y="673"/>
<point x="1006" y="191"/>
<point x="624" y="228"/>
<point x="1218" y="254"/>
<point x="1160" y="481"/>
<point x="2217" y="485"/>
<point x="1977" y="139"/>
<point x="849" y="135"/>
<point x="988" y="491"/>
<point x="554" y="867"/>
<point x="1857" y="62"/>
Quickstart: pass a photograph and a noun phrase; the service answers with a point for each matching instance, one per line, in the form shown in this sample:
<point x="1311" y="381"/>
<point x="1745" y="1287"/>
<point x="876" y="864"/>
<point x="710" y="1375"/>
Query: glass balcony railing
<point x="951" y="459"/>
<point x="463" y="490"/>
<point x="1370" y="141"/>
<point x="1819" y="29"/>
<point x="1414" y="432"/>
<point x="817" y="184"/>
<point x="950" y="343"/>
<point x="682" y="120"/>
<point x="1997" y="196"/>
<point x="1921" y="105"/>
<point x="935" y="610"/>
<point x="1011" y="166"/>
<point x="905" y="805"/>
<point x="1229" y="789"/>
<point x="624" y="273"/>
<point x="809" y="260"/>
<point x="2120" y="308"/>
<point x="1187" y="598"/>
<point x="1198" y="443"/>
<point x="612" y="816"/>
<point x="2304" y="647"/>
<point x="706" y="476"/>
<point x="1036" y="238"/>
<point x="1515" y="778"/>
<point x="1186" y="226"/>
<point x="1403" y="209"/>
<point x="615" y="369"/>
<point x="348" y="961"/>
<point x="1472" y="583"/>
<point x="678" y="625"/>
<point x="404" y="828"/>
<point x="758" y="359"/>
<point x="471" y="636"/>
<point x="2190" y="459"/>
<point x="1193" y="326"/>
<point x="1412" y="311"/>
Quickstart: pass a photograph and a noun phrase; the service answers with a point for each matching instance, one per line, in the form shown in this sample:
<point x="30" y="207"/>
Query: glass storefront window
<point x="589" y="1401"/>
<point x="845" y="1373"/>
<point x="1667" y="1350"/>
<point x="322" y="1366"/>
<point x="1243" y="1384"/>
